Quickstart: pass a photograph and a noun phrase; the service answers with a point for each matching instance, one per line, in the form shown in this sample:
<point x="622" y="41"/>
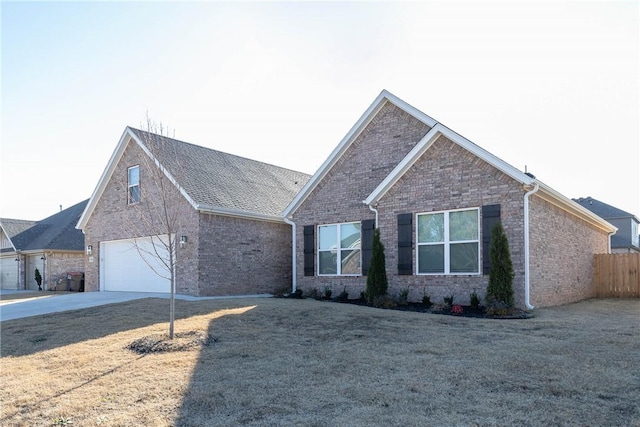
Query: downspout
<point x="609" y="241"/>
<point x="527" y="282"/>
<point x="375" y="211"/>
<point x="294" y="269"/>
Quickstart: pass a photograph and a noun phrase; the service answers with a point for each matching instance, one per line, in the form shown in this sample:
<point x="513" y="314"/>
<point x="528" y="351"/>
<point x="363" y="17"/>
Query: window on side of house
<point x="339" y="250"/>
<point x="448" y="242"/>
<point x="133" y="185"/>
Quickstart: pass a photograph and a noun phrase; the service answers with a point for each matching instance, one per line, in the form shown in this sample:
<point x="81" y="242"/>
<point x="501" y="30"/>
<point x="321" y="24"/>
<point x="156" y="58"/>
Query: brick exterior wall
<point x="241" y="256"/>
<point x="58" y="264"/>
<point x="561" y="248"/>
<point x="223" y="255"/>
<point x="446" y="177"/>
<point x="449" y="177"/>
<point x="55" y="268"/>
<point x="114" y="219"/>
<point x="384" y="142"/>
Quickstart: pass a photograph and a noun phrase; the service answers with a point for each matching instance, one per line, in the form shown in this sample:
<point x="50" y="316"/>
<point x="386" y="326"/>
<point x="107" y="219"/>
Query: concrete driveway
<point x="16" y="309"/>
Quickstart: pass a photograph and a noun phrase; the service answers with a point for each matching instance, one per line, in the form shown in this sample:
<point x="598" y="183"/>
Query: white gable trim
<point x="104" y="179"/>
<point x="351" y="136"/>
<point x="163" y="169"/>
<point x="425" y="143"/>
<point x="127" y="136"/>
<point x="546" y="192"/>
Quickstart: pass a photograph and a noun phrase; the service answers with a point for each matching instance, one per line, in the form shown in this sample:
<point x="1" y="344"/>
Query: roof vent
<point x="529" y="174"/>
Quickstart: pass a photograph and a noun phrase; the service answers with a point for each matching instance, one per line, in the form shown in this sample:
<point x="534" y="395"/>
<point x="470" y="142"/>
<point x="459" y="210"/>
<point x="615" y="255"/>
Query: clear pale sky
<point x="550" y="85"/>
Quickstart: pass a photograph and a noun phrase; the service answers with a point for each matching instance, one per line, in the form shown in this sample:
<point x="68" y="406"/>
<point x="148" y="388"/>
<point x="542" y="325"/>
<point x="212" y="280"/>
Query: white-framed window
<point x="339" y="249"/>
<point x="448" y="242"/>
<point x="133" y="185"/>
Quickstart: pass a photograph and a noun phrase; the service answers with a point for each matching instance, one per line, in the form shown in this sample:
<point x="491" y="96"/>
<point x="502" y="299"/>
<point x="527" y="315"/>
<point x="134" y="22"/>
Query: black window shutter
<point x="405" y="244"/>
<point x="309" y="250"/>
<point x="490" y="216"/>
<point x="367" y="228"/>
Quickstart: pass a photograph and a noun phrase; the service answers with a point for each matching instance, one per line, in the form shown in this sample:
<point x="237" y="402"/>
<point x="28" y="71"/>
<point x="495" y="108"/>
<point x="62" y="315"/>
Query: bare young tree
<point x="157" y="216"/>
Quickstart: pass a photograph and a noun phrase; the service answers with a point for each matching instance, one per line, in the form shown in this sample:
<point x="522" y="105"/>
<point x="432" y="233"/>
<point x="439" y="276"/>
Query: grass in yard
<point x="304" y="362"/>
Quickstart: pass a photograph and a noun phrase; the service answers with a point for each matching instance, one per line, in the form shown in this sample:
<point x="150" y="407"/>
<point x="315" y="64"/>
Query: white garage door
<point x="123" y="267"/>
<point x="8" y="273"/>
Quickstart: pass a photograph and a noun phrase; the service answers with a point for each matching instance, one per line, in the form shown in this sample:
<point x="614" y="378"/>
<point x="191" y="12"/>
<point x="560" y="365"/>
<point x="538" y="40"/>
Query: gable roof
<point x="56" y="232"/>
<point x="426" y="143"/>
<point x="377" y="104"/>
<point x="604" y="210"/>
<point x="12" y="228"/>
<point x="210" y="180"/>
<point x="437" y="130"/>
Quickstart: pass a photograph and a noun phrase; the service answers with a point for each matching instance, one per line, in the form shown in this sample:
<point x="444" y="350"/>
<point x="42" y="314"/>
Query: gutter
<point x="294" y="269"/>
<point x="527" y="274"/>
<point x="208" y="209"/>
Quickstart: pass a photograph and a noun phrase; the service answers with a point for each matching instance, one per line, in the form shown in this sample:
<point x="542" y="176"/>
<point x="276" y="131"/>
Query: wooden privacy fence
<point x="616" y="275"/>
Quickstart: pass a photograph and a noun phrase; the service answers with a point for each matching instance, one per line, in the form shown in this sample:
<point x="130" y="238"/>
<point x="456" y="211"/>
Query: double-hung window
<point x="133" y="185"/>
<point x="339" y="249"/>
<point x="448" y="242"/>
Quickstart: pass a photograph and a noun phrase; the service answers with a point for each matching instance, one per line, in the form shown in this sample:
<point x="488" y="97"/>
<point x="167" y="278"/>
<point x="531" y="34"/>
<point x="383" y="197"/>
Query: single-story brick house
<point x="51" y="245"/>
<point x="435" y="195"/>
<point x="227" y="210"/>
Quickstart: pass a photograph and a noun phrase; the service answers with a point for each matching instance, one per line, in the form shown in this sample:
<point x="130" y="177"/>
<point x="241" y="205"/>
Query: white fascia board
<point x="402" y="167"/>
<point x="239" y="214"/>
<point x="127" y="135"/>
<point x="353" y="133"/>
<point x="164" y="170"/>
<point x="104" y="179"/>
<point x="410" y="109"/>
<point x="425" y="143"/>
<point x="552" y="196"/>
<point x="483" y="154"/>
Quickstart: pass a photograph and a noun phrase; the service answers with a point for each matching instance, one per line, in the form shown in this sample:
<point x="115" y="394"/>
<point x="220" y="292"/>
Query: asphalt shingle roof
<point x="214" y="179"/>
<point x="14" y="228"/>
<point x="602" y="209"/>
<point x="56" y="232"/>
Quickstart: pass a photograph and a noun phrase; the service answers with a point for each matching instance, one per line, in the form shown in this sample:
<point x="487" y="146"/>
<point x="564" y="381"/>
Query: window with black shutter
<point x="309" y="256"/>
<point x="490" y="216"/>
<point x="405" y="244"/>
<point x="367" y="228"/>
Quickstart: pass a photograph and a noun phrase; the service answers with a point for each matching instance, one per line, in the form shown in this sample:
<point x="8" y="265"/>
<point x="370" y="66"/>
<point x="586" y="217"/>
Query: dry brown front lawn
<point x="29" y="295"/>
<point x="311" y="363"/>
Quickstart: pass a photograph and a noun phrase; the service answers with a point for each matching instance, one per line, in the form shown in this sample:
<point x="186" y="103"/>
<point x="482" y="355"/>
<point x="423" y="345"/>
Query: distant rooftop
<point x="56" y="232"/>
<point x="602" y="209"/>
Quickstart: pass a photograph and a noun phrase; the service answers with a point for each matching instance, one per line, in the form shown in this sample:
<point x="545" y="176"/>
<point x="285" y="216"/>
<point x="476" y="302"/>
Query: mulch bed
<point x="459" y="311"/>
<point x="182" y="341"/>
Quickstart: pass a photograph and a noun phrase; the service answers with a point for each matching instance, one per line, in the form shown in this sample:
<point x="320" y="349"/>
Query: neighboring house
<point x="626" y="239"/>
<point x="434" y="196"/>
<point x="53" y="245"/>
<point x="235" y="239"/>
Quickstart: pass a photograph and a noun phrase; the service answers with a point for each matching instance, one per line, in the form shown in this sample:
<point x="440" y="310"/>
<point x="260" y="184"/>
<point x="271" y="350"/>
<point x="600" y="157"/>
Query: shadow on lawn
<point x="30" y="335"/>
<point x="232" y="382"/>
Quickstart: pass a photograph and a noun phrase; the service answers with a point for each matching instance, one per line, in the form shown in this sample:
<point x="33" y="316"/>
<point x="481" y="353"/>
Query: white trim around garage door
<point x="125" y="267"/>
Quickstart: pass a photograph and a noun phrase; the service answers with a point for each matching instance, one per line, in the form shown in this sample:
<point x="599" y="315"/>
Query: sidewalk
<point x="16" y="309"/>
